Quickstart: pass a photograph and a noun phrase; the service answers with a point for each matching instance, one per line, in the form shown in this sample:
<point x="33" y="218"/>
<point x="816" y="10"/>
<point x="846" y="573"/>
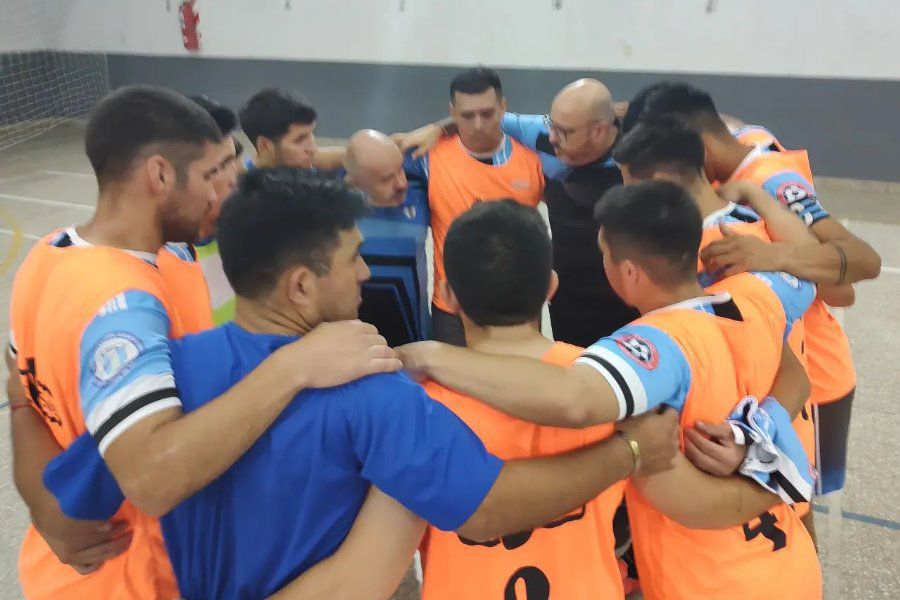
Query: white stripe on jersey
<point x="133" y="418"/>
<point x="632" y="380"/>
<point x="116" y="303"/>
<point x="135" y="390"/>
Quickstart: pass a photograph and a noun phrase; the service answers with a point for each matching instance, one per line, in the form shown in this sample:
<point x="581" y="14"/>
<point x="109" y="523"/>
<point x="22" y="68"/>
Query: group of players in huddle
<point x="206" y="390"/>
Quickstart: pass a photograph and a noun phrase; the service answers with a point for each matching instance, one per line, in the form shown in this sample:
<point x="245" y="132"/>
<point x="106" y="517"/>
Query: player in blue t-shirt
<point x="291" y="251"/>
<point x="395" y="298"/>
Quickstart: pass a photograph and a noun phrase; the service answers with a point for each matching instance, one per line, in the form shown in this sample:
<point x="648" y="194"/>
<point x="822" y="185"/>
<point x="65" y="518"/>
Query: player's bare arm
<point x="372" y="559"/>
<point x="524" y="388"/>
<point x="700" y="501"/>
<point x="168" y="456"/>
<point x="555" y="485"/>
<point x="84" y="545"/>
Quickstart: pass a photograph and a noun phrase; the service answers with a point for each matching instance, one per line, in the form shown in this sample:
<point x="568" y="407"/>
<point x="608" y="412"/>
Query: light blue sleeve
<point x="796" y="295"/>
<point x="125" y="365"/>
<point x="794" y="191"/>
<point x="525" y="129"/>
<point x="644" y="366"/>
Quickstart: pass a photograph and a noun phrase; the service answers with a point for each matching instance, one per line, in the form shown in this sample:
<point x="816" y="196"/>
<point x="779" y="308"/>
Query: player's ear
<point x="629" y="270"/>
<point x="503" y="104"/>
<point x="160" y="174"/>
<point x="449" y="297"/>
<point x="298" y="285"/>
<point x="553" y="286"/>
<point x="264" y="146"/>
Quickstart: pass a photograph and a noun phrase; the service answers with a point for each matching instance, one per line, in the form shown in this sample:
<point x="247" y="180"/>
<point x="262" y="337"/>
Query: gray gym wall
<point x="848" y="125"/>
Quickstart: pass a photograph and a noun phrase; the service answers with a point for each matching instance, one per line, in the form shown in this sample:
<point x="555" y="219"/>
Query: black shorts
<point x="832" y="421"/>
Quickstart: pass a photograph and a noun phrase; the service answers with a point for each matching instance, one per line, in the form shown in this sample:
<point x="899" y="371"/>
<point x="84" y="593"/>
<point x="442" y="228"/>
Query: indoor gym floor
<point x="46" y="183"/>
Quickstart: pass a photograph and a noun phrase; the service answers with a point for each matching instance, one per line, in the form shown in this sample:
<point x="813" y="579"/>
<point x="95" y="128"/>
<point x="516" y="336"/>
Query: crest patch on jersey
<point x="789" y="279"/>
<point x="114" y="356"/>
<point x="640" y="349"/>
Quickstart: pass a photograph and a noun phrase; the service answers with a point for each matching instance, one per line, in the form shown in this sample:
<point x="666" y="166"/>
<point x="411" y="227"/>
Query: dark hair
<point x="133" y="120"/>
<point x="279" y="218"/>
<point x="498" y="260"/>
<point x="686" y="102"/>
<point x="270" y="113"/>
<point x="222" y="115"/>
<point x="655" y="223"/>
<point x="637" y="103"/>
<point x="476" y="80"/>
<point x="661" y="143"/>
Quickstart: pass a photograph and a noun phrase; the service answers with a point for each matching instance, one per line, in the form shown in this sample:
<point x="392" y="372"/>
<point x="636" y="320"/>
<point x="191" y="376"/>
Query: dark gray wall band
<point x="849" y="126"/>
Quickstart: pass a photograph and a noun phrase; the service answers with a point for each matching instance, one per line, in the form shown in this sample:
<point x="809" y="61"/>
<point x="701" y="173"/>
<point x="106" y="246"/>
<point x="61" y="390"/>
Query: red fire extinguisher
<point x="190" y="20"/>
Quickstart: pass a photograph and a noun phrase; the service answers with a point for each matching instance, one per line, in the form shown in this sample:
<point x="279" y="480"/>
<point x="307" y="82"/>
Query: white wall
<point x="24" y="25"/>
<point x="809" y="38"/>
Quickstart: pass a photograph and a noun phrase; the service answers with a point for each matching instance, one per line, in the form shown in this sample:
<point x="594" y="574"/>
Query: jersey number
<point x="768" y="529"/>
<point x="537" y="586"/>
<point x="38" y="393"/>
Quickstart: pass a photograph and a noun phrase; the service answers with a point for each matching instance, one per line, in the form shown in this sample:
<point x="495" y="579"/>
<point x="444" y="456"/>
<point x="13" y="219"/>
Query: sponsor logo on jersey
<point x="640" y="349"/>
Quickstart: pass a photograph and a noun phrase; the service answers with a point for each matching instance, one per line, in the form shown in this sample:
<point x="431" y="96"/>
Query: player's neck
<point x="662" y="297"/>
<point x="263" y="316"/>
<point x="123" y="222"/>
<point x="524" y="340"/>
<point x="708" y="201"/>
<point x="486" y="152"/>
<point x="729" y="156"/>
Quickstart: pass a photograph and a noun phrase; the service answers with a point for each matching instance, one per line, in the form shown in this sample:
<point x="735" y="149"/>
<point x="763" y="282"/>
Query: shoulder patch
<point x="794" y="191"/>
<point x="789" y="279"/>
<point x="640" y="349"/>
<point x="114" y="356"/>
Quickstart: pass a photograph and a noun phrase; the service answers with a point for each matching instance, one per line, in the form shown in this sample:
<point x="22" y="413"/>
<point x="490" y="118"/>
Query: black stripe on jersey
<point x="788" y="487"/>
<point x="64" y="241"/>
<point x="626" y="392"/>
<point x="727" y="310"/>
<point x="131" y="408"/>
<point x="740" y="215"/>
<point x="12" y="351"/>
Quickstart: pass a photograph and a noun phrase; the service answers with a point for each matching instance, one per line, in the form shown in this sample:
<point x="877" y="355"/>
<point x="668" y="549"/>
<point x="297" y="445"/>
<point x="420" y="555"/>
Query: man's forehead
<point x="565" y="112"/>
<point x="212" y="152"/>
<point x="484" y="100"/>
<point x="300" y="128"/>
<point x="380" y="161"/>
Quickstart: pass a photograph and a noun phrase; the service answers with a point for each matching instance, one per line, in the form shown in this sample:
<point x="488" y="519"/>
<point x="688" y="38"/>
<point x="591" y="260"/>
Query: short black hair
<point x="222" y="115"/>
<point x="661" y="143"/>
<point x="271" y="112"/>
<point x="638" y="102"/>
<point x="498" y="260"/>
<point x="656" y="224"/>
<point x="476" y="80"/>
<point x="280" y="218"/>
<point x="137" y="119"/>
<point x="686" y="102"/>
